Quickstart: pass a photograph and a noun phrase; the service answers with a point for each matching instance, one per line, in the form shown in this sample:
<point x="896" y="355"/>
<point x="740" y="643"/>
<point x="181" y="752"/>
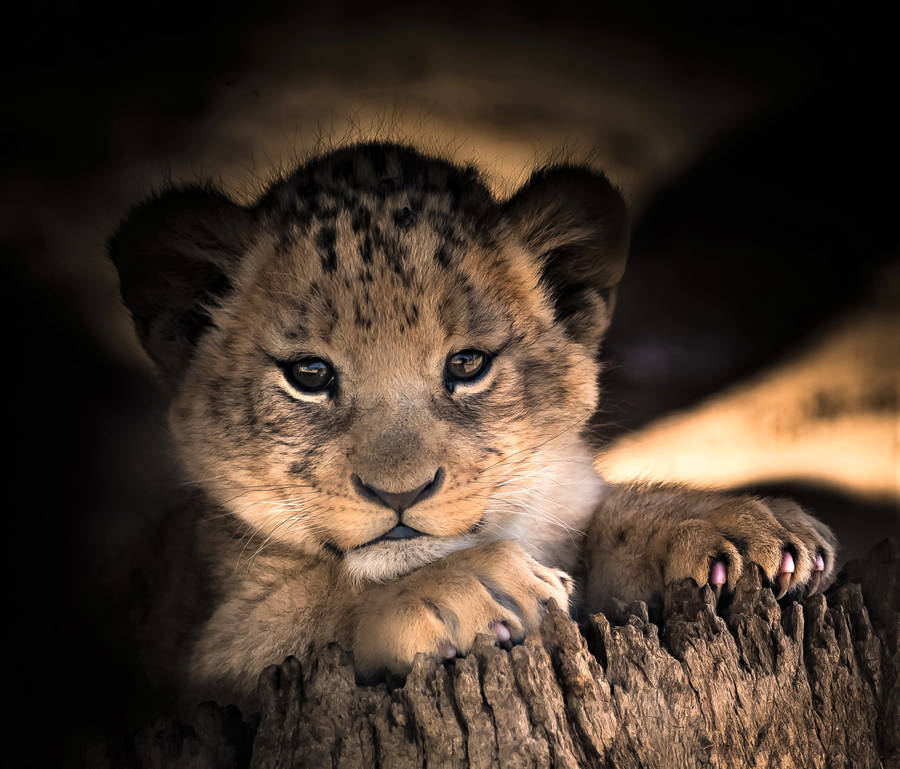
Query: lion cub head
<point x="378" y="360"/>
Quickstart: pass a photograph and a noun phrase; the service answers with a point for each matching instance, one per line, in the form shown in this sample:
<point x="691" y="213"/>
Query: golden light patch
<point x="827" y="416"/>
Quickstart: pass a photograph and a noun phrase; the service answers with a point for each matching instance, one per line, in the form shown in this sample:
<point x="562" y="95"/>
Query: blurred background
<point x="757" y="338"/>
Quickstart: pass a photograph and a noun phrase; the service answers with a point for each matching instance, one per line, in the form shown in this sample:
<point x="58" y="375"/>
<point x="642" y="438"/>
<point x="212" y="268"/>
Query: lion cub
<point x="380" y="378"/>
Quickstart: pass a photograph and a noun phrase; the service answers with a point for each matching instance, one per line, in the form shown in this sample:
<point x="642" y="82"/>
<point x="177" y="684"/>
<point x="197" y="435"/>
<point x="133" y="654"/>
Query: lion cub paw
<point x="439" y="609"/>
<point x="794" y="550"/>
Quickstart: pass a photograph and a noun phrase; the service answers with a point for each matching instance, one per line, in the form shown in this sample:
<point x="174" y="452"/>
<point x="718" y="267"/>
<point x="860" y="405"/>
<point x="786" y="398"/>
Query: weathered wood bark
<point x="816" y="685"/>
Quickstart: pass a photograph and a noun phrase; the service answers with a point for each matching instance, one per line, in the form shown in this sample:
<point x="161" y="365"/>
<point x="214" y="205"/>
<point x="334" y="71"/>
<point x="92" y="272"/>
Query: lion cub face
<point x="379" y="361"/>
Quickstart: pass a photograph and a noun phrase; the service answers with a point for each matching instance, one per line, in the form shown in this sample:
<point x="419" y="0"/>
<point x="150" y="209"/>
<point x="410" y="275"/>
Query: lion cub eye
<point x="466" y="366"/>
<point x="310" y="374"/>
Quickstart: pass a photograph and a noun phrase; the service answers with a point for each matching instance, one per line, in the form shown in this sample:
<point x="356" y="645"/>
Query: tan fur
<point x="280" y="563"/>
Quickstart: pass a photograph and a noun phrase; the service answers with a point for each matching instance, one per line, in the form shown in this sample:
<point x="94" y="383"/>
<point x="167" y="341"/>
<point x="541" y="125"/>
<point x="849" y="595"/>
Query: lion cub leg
<point x="439" y="609"/>
<point x="643" y="538"/>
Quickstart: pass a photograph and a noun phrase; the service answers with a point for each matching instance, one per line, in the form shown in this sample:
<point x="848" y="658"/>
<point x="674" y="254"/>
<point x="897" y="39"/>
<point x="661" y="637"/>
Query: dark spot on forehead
<point x="361" y="318"/>
<point x="301" y="466"/>
<point x="393" y="251"/>
<point x="443" y="226"/>
<point x="361" y="219"/>
<point x="365" y="249"/>
<point x="325" y="242"/>
<point x="404" y="218"/>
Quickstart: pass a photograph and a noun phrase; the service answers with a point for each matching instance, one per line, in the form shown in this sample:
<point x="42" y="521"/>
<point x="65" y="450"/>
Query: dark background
<point x="780" y="218"/>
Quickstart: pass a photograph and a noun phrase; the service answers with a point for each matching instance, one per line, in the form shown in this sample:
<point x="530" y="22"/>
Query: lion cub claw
<point x="795" y="551"/>
<point x="439" y="609"/>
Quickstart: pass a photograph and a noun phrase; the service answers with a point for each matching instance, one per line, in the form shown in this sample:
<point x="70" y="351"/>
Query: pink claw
<point x="718" y="574"/>
<point x="787" y="563"/>
<point x="815" y="578"/>
<point x="501" y="631"/>
<point x="783" y="578"/>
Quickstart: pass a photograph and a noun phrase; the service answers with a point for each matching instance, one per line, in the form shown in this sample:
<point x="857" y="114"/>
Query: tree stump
<point x="812" y="685"/>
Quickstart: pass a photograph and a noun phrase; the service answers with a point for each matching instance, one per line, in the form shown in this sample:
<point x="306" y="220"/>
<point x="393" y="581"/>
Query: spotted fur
<point x="383" y="261"/>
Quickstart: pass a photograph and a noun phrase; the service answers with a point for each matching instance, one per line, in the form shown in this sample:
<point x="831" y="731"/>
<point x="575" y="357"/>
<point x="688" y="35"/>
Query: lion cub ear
<point x="576" y="223"/>
<point x="175" y="254"/>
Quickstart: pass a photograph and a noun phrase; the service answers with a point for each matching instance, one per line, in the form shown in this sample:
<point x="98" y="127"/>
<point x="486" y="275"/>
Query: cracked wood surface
<point x="811" y="685"/>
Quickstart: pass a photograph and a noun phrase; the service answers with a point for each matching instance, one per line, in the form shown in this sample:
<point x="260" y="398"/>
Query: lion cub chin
<point x="386" y="560"/>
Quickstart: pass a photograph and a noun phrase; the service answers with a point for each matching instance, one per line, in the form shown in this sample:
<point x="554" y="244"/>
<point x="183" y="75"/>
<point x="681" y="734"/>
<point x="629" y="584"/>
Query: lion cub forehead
<point x="400" y="296"/>
<point x="382" y="241"/>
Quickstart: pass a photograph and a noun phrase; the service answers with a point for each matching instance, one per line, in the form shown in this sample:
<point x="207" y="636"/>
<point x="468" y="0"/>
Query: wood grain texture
<point x="813" y="685"/>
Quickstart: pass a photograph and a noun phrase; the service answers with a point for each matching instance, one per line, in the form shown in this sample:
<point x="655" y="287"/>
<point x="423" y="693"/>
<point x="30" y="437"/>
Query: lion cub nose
<point x="402" y="500"/>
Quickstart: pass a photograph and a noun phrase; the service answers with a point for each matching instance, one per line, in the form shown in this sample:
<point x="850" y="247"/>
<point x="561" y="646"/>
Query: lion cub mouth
<point x="401" y="532"/>
<point x="398" y="532"/>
